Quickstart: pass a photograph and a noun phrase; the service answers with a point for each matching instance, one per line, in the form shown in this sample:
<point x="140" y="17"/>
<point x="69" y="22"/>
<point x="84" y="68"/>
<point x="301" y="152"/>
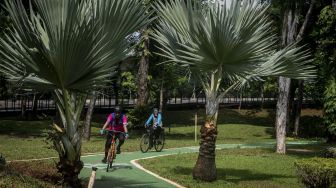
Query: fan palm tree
<point x="221" y="42"/>
<point x="69" y="47"/>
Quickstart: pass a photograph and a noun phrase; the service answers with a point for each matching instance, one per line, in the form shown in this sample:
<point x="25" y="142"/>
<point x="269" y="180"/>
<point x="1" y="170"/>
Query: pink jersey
<point x="117" y="124"/>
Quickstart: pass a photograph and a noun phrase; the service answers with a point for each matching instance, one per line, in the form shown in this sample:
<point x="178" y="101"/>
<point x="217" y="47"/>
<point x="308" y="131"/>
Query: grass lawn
<point x="253" y="168"/>
<point x="245" y="168"/>
<point x="26" y="139"/>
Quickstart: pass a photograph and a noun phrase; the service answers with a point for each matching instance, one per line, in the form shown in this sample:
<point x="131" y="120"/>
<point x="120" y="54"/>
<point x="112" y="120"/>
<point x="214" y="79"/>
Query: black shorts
<point x="156" y="131"/>
<point x="119" y="136"/>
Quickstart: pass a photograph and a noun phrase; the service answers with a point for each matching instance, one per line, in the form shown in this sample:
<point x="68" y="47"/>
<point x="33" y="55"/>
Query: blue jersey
<point x="156" y="120"/>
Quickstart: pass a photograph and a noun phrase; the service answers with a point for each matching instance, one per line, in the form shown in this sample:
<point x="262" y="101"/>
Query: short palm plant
<point x="68" y="47"/>
<point x="218" y="42"/>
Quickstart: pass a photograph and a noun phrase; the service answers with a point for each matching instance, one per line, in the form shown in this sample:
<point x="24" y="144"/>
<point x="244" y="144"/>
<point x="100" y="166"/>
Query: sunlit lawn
<point x="26" y="139"/>
<point x="236" y="168"/>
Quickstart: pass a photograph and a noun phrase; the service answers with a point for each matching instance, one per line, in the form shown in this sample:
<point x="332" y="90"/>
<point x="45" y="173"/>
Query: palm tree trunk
<point x="88" y="118"/>
<point x="66" y="139"/>
<point x="298" y="108"/>
<point x="205" y="168"/>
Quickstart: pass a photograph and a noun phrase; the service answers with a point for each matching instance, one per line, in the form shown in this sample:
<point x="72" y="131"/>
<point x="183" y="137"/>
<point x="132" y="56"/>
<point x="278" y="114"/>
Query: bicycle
<point x="112" y="151"/>
<point x="158" y="140"/>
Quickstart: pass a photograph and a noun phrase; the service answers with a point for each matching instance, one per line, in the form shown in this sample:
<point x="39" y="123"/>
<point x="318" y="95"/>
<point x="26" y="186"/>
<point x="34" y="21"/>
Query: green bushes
<point x="2" y="163"/>
<point x="330" y="152"/>
<point x="138" y="116"/>
<point x="317" y="172"/>
<point x="313" y="127"/>
<point x="330" y="109"/>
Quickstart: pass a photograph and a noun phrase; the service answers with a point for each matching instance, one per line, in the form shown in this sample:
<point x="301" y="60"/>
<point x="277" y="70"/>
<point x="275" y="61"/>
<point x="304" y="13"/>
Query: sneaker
<point x="104" y="160"/>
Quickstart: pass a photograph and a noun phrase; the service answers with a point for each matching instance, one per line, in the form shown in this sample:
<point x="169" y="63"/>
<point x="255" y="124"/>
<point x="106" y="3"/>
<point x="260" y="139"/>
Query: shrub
<point x="138" y="116"/>
<point x="313" y="127"/>
<point x="330" y="109"/>
<point x="317" y="172"/>
<point x="330" y="152"/>
<point x="2" y="163"/>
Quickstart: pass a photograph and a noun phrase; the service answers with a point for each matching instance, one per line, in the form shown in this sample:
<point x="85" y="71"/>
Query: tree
<point x="325" y="60"/>
<point x="143" y="92"/>
<point x="88" y="117"/>
<point x="219" y="42"/>
<point x="290" y="35"/>
<point x="69" y="47"/>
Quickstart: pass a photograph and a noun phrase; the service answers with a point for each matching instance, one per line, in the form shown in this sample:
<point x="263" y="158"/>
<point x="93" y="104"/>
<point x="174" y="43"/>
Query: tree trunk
<point x="298" y="109"/>
<point x="334" y="4"/>
<point x="281" y="114"/>
<point x="205" y="168"/>
<point x="262" y="95"/>
<point x="66" y="138"/>
<point x="35" y="105"/>
<point x="289" y="27"/>
<point x="23" y="106"/>
<point x="88" y="118"/>
<point x="143" y="75"/>
<point x="240" y="100"/>
<point x="161" y="96"/>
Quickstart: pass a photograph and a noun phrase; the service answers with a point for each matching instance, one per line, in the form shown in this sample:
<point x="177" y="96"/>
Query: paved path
<point x="125" y="174"/>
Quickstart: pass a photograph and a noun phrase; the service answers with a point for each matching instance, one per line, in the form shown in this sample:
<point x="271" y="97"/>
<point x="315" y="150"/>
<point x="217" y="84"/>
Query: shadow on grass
<point x="107" y="182"/>
<point x="234" y="175"/>
<point x="225" y="116"/>
<point x="303" y="151"/>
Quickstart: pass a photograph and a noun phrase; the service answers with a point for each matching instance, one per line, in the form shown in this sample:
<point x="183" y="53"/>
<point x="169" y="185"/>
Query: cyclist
<point x="156" y="127"/>
<point x="116" y="121"/>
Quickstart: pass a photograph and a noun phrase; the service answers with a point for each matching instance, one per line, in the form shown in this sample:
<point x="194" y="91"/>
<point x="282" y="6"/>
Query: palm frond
<point x="238" y="40"/>
<point x="69" y="44"/>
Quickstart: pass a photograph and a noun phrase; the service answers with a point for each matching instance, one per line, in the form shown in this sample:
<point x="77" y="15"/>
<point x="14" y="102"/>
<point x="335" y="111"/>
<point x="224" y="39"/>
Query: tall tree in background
<point x="290" y="34"/>
<point x="143" y="92"/>
<point x="88" y="117"/>
<point x="69" y="47"/>
<point x="325" y="36"/>
<point x="233" y="43"/>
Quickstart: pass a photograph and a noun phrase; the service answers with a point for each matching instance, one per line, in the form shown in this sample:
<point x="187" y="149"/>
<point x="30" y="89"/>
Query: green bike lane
<point x="125" y="172"/>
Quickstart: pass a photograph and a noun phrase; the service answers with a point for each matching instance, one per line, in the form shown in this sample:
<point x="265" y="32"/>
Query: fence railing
<point x="8" y="105"/>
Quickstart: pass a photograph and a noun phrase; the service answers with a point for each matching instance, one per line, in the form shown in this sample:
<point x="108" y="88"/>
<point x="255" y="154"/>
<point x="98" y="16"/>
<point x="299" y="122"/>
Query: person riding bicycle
<point x="116" y="121"/>
<point x="156" y="127"/>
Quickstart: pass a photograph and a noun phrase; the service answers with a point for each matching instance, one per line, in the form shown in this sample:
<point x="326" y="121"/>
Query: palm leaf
<point x="69" y="44"/>
<point x="237" y="40"/>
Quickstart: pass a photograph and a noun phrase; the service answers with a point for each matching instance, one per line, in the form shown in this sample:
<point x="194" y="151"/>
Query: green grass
<point x="17" y="180"/>
<point x="25" y="139"/>
<point x="244" y="168"/>
<point x="236" y="168"/>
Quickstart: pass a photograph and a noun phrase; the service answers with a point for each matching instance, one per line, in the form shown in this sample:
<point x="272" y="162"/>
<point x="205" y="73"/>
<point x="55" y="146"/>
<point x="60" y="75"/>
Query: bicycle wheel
<point x="144" y="143"/>
<point x="111" y="156"/>
<point x="159" y="142"/>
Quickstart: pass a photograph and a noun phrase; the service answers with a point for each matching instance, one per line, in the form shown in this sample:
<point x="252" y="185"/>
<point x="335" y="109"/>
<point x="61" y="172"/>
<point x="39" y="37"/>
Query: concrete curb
<point x="136" y="164"/>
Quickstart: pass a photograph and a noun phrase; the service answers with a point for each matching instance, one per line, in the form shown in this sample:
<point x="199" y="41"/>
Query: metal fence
<point x="15" y="104"/>
<point x="107" y="101"/>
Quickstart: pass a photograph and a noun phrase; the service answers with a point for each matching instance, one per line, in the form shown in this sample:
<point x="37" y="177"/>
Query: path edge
<point x="136" y="164"/>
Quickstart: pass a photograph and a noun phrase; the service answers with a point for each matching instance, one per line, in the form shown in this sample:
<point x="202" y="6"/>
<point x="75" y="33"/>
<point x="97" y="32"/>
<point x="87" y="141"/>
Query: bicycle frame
<point x="112" y="151"/>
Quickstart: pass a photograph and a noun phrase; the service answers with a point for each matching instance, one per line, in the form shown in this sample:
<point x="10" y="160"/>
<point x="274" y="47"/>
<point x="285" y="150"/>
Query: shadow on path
<point x="235" y="175"/>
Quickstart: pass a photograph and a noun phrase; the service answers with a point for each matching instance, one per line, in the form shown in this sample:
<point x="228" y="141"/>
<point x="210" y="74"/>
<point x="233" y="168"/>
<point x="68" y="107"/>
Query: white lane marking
<point x="103" y="166"/>
<point x="136" y="164"/>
